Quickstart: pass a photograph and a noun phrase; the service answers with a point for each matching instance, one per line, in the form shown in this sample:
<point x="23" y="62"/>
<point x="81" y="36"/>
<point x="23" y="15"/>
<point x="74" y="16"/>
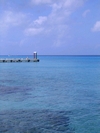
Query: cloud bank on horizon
<point x="50" y="27"/>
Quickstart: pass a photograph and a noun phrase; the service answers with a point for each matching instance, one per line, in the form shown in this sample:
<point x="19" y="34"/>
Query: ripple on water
<point x="35" y="121"/>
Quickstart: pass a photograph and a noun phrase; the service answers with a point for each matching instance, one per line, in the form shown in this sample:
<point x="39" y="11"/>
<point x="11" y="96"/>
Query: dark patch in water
<point x="35" y="121"/>
<point x="9" y="90"/>
<point x="14" y="93"/>
<point x="7" y="81"/>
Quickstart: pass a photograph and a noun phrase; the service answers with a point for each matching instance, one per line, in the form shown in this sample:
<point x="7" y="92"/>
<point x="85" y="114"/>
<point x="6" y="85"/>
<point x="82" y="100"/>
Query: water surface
<point x="59" y="94"/>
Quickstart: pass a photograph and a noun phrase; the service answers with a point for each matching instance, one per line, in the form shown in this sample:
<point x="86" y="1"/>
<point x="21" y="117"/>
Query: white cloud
<point x="13" y="18"/>
<point x="41" y="1"/>
<point x="62" y="9"/>
<point x="40" y="20"/>
<point x="36" y="26"/>
<point x="33" y="31"/>
<point x="96" y="27"/>
<point x="85" y="13"/>
<point x="9" y="19"/>
<point x="59" y="19"/>
<point x="56" y="22"/>
<point x="73" y="3"/>
<point x="67" y="5"/>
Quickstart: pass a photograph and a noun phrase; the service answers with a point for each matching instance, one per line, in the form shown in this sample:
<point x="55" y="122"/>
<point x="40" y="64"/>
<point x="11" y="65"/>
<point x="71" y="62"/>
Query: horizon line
<point x="50" y="54"/>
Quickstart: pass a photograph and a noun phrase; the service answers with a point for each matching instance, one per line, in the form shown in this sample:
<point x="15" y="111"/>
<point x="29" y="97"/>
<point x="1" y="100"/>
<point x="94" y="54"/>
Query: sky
<point x="50" y="27"/>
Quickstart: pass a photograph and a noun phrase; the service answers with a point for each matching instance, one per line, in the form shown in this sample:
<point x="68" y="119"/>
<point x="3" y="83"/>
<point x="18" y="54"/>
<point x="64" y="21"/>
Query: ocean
<point x="59" y="94"/>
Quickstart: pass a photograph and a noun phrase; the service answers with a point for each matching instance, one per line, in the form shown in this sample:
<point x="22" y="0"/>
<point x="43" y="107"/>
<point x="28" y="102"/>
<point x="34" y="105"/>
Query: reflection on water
<point x="35" y="121"/>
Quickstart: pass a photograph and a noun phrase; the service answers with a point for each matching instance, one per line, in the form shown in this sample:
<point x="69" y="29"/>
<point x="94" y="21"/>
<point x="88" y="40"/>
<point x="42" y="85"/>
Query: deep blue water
<point x="59" y="94"/>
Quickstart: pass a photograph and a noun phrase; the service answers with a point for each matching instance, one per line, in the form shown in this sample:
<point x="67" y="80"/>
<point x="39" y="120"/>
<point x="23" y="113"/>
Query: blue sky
<point x="50" y="27"/>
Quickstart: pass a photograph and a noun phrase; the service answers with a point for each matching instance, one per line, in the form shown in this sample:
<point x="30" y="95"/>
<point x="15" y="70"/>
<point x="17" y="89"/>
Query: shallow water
<point x="58" y="94"/>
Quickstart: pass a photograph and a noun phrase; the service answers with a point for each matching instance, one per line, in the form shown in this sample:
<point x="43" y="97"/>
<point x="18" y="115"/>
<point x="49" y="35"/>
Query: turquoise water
<point x="59" y="94"/>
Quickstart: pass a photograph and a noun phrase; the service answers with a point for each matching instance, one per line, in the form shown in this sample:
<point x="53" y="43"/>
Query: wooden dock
<point x="18" y="60"/>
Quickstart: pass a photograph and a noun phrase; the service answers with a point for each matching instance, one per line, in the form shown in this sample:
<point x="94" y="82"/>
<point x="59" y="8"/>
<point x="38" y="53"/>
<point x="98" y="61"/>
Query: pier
<point x="21" y="60"/>
<point x="18" y="60"/>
